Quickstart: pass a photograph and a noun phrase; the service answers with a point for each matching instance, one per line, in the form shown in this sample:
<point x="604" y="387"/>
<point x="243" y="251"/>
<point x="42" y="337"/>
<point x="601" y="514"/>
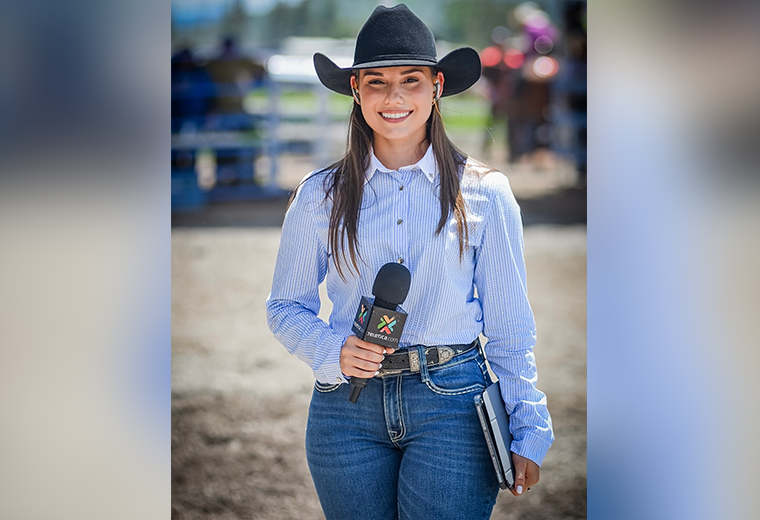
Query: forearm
<point x="530" y="422"/>
<point x="306" y="336"/>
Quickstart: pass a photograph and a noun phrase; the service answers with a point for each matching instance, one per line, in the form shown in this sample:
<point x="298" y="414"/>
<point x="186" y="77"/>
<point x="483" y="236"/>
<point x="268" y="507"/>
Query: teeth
<point x="396" y="115"/>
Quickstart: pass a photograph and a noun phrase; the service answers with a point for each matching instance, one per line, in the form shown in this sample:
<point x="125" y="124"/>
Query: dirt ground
<point x="239" y="400"/>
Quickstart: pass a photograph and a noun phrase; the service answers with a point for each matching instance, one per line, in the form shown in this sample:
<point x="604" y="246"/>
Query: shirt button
<point x="399" y="221"/>
<point x="401" y="188"/>
<point x="400" y="260"/>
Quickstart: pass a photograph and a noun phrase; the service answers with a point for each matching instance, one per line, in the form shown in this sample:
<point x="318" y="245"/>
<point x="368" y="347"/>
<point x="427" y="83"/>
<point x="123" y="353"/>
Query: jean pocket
<point x="457" y="379"/>
<point x="325" y="388"/>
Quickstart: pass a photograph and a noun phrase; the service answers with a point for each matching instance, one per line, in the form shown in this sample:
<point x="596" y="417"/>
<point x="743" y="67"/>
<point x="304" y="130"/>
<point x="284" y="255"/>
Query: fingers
<point x="360" y="358"/>
<point x="364" y="351"/>
<point x="520" y="464"/>
<point x="526" y="474"/>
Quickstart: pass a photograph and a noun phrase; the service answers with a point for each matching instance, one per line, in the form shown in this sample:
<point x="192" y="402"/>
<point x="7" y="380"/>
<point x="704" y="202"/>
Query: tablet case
<point x="495" y="423"/>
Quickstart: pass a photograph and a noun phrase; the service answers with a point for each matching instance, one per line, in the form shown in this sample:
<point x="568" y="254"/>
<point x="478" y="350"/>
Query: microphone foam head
<point x="392" y="283"/>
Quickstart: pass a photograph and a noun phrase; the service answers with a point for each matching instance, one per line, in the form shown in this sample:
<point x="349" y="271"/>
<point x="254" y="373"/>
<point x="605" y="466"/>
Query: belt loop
<point x="422" y="357"/>
<point x="489" y="374"/>
<point x="479" y="345"/>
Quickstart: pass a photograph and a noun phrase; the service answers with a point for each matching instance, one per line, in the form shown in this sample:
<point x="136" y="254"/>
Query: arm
<point x="293" y="303"/>
<point x="508" y="322"/>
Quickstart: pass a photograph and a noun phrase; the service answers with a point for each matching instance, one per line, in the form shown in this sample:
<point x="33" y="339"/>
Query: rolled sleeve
<point x="508" y="322"/>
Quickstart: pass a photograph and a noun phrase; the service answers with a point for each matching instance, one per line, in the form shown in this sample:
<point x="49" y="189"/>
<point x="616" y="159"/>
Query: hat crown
<point x="394" y="33"/>
<point x="395" y="37"/>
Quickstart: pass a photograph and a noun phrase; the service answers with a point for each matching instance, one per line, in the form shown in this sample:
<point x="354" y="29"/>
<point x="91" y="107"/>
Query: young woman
<point x="412" y="446"/>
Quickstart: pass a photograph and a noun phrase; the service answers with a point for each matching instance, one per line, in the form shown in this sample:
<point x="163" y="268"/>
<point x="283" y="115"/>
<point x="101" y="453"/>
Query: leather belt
<point x="409" y="359"/>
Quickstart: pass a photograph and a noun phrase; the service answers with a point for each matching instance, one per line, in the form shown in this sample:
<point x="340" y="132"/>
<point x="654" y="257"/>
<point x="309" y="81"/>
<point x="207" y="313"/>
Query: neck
<point x="397" y="153"/>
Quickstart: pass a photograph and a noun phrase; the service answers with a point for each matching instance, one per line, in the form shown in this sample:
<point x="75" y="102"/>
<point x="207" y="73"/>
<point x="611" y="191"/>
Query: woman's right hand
<point x="359" y="358"/>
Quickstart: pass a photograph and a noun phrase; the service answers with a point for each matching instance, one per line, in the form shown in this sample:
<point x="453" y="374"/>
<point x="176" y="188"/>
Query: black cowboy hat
<point x="392" y="37"/>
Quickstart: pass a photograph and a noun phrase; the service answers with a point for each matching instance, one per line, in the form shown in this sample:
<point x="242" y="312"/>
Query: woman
<point x="412" y="446"/>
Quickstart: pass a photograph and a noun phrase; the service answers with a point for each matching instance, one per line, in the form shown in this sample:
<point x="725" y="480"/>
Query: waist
<point x="409" y="359"/>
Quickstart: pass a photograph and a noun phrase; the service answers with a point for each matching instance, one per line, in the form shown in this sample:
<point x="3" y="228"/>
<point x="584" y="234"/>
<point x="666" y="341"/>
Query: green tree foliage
<point x="308" y="18"/>
<point x="471" y="21"/>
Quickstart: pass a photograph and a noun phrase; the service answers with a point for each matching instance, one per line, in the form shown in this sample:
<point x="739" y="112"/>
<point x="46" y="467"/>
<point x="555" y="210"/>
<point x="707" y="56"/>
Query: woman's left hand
<point x="526" y="474"/>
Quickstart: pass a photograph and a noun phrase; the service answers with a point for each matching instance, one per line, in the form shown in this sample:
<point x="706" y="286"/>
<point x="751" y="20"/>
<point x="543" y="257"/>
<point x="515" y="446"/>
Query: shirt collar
<point x="427" y="165"/>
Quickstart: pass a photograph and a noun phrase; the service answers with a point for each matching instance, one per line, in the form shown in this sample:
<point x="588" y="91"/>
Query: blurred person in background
<point x="192" y="95"/>
<point x="501" y="63"/>
<point x="529" y="130"/>
<point x="572" y="87"/>
<point x="234" y="75"/>
<point x="412" y="447"/>
<point x="192" y="92"/>
<point x="519" y="71"/>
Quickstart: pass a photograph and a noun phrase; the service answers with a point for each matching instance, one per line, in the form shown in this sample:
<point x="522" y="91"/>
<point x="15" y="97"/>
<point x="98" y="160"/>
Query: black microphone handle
<point x="358" y="383"/>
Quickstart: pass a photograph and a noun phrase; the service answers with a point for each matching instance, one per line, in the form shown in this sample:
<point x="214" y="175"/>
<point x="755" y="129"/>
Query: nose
<point x="394" y="95"/>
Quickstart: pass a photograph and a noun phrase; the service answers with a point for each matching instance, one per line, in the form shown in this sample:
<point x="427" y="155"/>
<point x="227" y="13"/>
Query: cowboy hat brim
<point x="461" y="69"/>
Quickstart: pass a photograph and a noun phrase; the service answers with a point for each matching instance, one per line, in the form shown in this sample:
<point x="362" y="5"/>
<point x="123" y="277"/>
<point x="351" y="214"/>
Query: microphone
<point x="381" y="323"/>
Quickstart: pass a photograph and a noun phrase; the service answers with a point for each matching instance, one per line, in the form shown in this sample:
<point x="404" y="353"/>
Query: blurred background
<point x="249" y="120"/>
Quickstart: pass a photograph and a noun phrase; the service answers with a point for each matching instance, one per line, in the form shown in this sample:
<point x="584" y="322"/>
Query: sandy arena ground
<point x="239" y="400"/>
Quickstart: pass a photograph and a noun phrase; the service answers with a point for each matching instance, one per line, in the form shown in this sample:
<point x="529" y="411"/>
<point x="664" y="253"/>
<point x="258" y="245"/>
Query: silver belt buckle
<point x="445" y="354"/>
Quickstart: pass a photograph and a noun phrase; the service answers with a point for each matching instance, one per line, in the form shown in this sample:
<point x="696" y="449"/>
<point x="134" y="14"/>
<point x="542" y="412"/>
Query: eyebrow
<point x="403" y="72"/>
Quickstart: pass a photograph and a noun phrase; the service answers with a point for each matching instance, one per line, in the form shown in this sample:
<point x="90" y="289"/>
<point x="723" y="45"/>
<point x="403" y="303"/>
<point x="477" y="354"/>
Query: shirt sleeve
<point x="293" y="303"/>
<point x="509" y="324"/>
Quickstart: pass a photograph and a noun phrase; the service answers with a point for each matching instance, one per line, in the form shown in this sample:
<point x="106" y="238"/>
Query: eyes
<point x="408" y="81"/>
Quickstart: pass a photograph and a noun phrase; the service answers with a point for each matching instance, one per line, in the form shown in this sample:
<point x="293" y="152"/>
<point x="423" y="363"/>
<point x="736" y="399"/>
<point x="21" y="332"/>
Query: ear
<point x="439" y="79"/>
<point x="355" y="89"/>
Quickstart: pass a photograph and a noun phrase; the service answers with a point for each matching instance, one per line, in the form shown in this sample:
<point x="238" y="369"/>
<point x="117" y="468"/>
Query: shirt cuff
<point x="531" y="447"/>
<point x="329" y="371"/>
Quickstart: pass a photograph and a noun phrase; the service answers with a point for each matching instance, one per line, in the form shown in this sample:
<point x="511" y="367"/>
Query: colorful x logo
<point x="362" y="314"/>
<point x="386" y="324"/>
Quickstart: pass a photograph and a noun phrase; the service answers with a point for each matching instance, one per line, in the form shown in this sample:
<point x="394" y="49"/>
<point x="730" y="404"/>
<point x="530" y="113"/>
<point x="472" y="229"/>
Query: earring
<point x="436" y="95"/>
<point x="355" y="93"/>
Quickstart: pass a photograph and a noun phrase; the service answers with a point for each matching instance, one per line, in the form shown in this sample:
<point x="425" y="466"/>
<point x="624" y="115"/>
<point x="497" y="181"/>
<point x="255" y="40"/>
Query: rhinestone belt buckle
<point x="445" y="354"/>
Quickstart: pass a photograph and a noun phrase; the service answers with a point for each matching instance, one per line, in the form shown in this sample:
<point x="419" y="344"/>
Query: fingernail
<point x="519" y="490"/>
<point x="380" y="366"/>
<point x="377" y="372"/>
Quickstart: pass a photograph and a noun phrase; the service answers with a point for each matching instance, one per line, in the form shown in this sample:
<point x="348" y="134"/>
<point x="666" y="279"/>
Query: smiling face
<point x="396" y="101"/>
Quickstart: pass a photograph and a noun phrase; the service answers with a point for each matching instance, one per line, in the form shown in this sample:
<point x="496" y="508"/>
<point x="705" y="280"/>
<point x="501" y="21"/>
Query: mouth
<point x="395" y="117"/>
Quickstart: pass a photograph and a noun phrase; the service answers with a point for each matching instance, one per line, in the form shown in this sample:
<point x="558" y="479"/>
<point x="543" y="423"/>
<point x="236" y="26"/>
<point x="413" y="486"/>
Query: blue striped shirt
<point x="449" y="301"/>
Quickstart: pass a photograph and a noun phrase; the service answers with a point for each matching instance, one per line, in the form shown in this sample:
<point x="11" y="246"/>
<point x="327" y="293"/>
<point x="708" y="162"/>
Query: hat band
<point x="401" y="59"/>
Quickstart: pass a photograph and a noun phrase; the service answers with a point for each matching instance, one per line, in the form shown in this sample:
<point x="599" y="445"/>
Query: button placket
<point x="401" y="214"/>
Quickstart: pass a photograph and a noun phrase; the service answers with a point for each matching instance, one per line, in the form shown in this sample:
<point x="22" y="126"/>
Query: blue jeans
<point x="411" y="448"/>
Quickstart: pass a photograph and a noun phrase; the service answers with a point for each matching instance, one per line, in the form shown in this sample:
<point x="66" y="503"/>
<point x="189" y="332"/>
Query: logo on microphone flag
<point x="386" y="324"/>
<point x="378" y="324"/>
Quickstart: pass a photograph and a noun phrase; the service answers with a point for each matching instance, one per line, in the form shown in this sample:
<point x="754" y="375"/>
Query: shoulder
<point x="312" y="188"/>
<point x="481" y="180"/>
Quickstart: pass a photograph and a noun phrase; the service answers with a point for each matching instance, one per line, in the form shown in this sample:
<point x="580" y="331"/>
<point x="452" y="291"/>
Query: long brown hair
<point x="345" y="185"/>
